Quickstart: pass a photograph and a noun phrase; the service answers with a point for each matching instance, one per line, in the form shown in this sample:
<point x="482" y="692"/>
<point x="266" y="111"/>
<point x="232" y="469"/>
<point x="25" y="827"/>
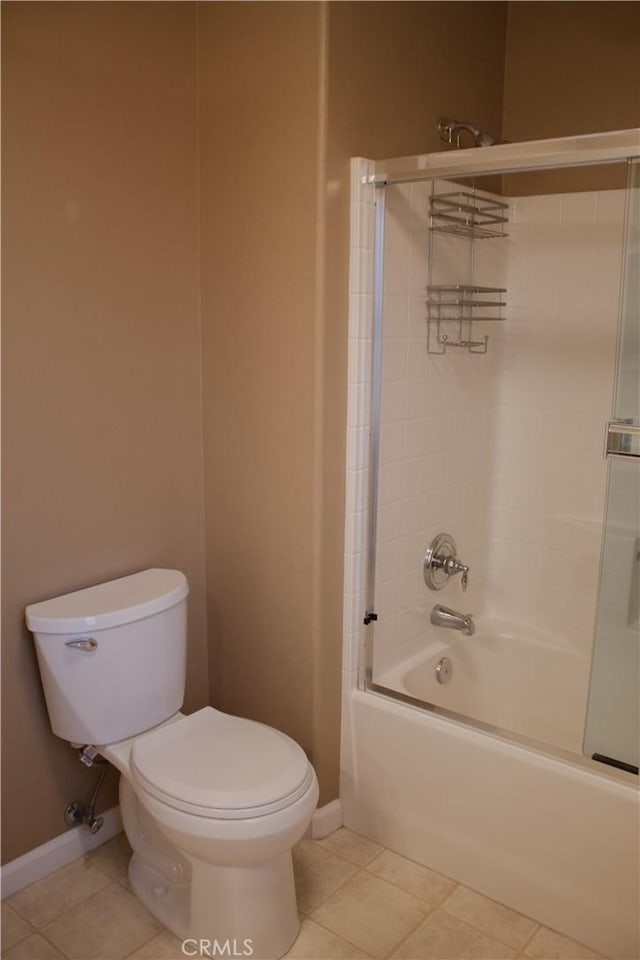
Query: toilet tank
<point x="112" y="657"/>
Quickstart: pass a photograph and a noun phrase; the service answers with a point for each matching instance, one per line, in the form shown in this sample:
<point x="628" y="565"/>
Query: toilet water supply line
<point x="76" y="813"/>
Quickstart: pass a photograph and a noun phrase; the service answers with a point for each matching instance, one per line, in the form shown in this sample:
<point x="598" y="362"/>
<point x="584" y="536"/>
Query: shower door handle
<point x="622" y="439"/>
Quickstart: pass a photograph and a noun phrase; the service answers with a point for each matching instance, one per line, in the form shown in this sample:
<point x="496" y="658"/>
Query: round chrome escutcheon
<point x="444" y="670"/>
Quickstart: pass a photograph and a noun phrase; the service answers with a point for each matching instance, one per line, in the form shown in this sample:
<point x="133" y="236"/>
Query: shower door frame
<point x="614" y="147"/>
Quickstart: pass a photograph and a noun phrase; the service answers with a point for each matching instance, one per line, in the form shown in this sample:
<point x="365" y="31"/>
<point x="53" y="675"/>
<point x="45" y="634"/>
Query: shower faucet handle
<point x="441" y="562"/>
<point x="453" y="566"/>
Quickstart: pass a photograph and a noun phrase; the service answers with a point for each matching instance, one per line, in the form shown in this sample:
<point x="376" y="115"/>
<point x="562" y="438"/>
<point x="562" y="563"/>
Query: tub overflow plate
<point x="444" y="670"/>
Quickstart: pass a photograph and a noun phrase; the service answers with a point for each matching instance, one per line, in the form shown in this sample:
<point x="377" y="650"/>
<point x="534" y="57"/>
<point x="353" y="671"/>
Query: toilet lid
<point x="215" y="765"/>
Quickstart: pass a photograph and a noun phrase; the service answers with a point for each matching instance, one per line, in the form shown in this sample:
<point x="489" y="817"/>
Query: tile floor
<point x="356" y="900"/>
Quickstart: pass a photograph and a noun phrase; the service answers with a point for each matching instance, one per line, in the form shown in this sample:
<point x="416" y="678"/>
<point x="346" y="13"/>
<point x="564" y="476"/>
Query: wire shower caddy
<point x="468" y="215"/>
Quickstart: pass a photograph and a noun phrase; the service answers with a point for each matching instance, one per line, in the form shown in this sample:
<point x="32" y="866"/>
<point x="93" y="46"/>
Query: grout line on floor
<point x="525" y="945"/>
<point x="491" y="935"/>
<point x="342" y="937"/>
<point x="402" y="941"/>
<point x="37" y="929"/>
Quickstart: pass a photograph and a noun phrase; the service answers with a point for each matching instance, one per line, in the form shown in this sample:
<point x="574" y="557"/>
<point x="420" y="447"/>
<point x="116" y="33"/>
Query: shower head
<point x="450" y="131"/>
<point x="484" y="139"/>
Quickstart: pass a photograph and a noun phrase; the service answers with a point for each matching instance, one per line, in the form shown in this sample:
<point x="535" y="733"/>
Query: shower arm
<point x="450" y="131"/>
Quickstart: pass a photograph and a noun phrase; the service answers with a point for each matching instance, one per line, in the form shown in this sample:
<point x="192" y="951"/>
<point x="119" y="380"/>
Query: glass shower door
<point x="612" y="732"/>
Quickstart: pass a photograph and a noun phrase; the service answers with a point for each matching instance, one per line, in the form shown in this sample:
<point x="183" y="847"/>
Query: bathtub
<point x="550" y="838"/>
<point x="523" y="681"/>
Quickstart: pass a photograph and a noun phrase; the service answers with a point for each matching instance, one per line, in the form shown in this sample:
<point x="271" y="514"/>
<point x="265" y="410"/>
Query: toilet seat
<point x="211" y="764"/>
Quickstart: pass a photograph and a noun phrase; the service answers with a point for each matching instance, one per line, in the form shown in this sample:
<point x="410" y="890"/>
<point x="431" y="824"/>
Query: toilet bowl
<point x="229" y="827"/>
<point x="211" y="803"/>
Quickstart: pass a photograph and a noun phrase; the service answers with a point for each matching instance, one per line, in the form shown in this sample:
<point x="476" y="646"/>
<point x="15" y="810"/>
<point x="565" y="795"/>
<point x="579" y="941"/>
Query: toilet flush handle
<point x="85" y="643"/>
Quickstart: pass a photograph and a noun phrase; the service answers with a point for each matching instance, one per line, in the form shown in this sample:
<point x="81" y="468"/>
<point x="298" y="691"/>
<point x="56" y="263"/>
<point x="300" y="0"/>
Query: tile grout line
<point x="18" y="942"/>
<point x="417" y="926"/>
<point x="341" y="936"/>
<point x="524" y="947"/>
<point x="41" y="930"/>
<point x="147" y="942"/>
<point x="37" y="932"/>
<point x="491" y="935"/>
<point x="324" y="899"/>
<point x="88" y="860"/>
<point x="353" y="876"/>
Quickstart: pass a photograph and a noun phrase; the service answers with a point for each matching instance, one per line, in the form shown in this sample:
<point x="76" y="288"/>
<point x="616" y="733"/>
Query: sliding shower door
<point x="492" y="508"/>
<point x="613" y="719"/>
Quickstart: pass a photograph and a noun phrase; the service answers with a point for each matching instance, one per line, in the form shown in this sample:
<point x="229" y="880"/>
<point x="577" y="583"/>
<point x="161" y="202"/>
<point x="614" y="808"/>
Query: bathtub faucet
<point x="446" y="617"/>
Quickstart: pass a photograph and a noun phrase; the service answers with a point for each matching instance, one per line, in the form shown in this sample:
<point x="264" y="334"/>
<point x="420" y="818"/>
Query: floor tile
<point x="112" y="857"/>
<point x="492" y="918"/>
<point x="423" y="883"/>
<point x="163" y="947"/>
<point x="109" y="925"/>
<point x="48" y="898"/>
<point x="14" y="928"/>
<point x="351" y="846"/>
<point x="550" y="945"/>
<point x="318" y="874"/>
<point x="34" y="947"/>
<point x="443" y="937"/>
<point x="315" y="941"/>
<point x="372" y="914"/>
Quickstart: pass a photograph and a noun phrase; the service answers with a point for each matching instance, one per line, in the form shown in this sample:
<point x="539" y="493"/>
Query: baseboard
<point x="325" y="820"/>
<point x="57" y="853"/>
<point x="60" y="851"/>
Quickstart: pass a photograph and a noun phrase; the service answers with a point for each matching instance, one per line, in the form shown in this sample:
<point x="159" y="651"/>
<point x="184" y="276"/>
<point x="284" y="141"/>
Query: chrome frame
<point x="365" y="670"/>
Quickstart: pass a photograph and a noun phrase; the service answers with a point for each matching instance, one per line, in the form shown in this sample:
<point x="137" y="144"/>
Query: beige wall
<point x="571" y="68"/>
<point x="102" y="433"/>
<point x="259" y="159"/>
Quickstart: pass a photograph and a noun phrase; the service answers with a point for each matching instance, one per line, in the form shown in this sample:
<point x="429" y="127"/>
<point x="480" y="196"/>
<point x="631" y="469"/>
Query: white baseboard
<point x="57" y="853"/>
<point x="325" y="820"/>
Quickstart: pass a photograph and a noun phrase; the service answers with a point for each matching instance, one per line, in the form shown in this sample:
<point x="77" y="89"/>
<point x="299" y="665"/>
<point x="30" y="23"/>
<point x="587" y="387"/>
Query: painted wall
<point x="571" y="68"/>
<point x="102" y="412"/>
<point x="259" y="138"/>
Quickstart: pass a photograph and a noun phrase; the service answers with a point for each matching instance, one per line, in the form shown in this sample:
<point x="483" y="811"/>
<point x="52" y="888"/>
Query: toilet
<point x="211" y="803"/>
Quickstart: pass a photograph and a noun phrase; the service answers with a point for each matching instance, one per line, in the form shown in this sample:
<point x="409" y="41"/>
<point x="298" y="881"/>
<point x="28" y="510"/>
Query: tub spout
<point x="446" y="617"/>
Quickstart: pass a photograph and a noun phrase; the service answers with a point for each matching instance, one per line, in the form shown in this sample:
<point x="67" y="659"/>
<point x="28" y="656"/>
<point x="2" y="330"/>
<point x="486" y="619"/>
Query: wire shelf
<point x="464" y="214"/>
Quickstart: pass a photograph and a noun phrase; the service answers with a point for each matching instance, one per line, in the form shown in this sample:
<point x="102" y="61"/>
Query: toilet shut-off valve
<point x="441" y="562"/>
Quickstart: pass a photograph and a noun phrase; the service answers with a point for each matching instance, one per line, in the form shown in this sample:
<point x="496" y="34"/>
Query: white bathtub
<point x="549" y="838"/>
<point x="523" y="682"/>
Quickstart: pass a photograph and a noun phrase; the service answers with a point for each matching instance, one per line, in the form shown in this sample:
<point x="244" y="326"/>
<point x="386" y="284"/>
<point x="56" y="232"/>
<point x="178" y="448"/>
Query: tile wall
<point x="556" y="361"/>
<point x="436" y="413"/>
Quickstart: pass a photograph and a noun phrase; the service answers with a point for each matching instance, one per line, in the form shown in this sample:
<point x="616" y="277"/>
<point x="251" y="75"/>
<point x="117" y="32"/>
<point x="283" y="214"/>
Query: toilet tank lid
<point x="109" y="604"/>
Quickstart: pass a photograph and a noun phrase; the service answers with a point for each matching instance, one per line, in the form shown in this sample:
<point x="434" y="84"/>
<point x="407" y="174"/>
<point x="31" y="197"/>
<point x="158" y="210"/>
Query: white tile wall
<point x="436" y="413"/>
<point x="554" y="383"/>
<point x="503" y="450"/>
